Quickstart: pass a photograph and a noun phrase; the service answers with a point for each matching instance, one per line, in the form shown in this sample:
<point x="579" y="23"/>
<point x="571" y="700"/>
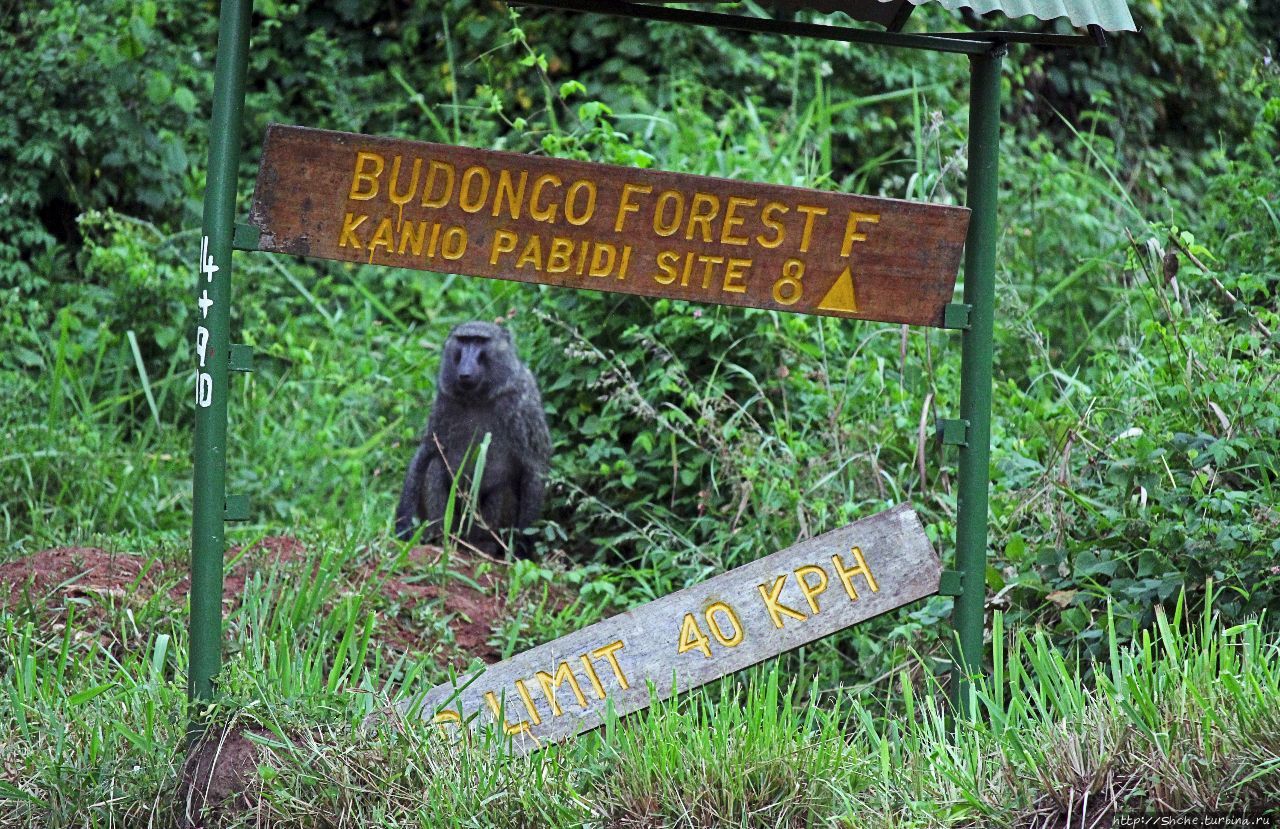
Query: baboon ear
<point x="511" y="338"/>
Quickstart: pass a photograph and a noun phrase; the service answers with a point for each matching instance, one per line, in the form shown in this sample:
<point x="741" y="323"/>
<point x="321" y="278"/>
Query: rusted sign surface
<point x="450" y="209"/>
<point x="695" y="635"/>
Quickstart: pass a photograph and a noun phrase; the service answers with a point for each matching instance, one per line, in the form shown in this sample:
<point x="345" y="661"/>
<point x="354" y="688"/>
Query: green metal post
<point x="975" y="383"/>
<point x="213" y="334"/>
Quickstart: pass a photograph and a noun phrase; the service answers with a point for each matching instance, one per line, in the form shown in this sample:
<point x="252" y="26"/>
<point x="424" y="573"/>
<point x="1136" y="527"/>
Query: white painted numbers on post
<point x="696" y="635"/>
<point x="204" y="380"/>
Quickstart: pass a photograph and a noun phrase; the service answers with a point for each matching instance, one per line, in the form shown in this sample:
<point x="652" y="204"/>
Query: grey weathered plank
<point x="551" y="221"/>
<point x="562" y="688"/>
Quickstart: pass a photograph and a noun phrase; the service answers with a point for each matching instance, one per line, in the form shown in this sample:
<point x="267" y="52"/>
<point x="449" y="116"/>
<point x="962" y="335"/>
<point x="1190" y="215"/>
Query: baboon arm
<point x="437" y="485"/>
<point x="529" y="509"/>
<point x="407" y="512"/>
<point x="533" y="478"/>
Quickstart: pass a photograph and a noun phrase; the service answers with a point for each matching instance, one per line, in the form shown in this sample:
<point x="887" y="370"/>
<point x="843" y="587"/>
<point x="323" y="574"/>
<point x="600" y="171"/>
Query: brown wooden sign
<point x="695" y="635"/>
<point x="435" y="207"/>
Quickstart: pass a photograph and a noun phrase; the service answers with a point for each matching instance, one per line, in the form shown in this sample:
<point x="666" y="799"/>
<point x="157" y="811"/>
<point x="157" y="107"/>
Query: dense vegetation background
<point x="1137" y="417"/>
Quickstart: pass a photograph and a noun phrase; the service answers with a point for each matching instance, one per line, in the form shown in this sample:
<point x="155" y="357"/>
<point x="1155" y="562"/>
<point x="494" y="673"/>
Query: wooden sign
<point x="693" y="636"/>
<point x="411" y="204"/>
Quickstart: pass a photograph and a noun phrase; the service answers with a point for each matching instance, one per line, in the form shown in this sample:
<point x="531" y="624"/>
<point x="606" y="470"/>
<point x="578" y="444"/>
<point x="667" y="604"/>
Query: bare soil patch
<point x="272" y="551"/>
<point x="72" y="571"/>
<point x="473" y="615"/>
<point x="219" y="779"/>
<point x="468" y="596"/>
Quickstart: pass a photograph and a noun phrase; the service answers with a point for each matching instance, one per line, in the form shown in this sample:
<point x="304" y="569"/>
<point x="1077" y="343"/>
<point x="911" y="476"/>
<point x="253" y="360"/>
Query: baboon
<point x="483" y="389"/>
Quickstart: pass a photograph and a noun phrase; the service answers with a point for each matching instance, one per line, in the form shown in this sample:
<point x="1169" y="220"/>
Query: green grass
<point x="1184" y="718"/>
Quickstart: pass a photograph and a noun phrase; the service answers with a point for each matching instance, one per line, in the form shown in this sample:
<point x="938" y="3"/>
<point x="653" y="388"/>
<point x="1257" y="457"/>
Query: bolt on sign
<point x="551" y="221"/>
<point x="695" y="635"/>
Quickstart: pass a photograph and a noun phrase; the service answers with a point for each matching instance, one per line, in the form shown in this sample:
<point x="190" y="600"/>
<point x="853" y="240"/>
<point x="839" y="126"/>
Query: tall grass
<point x="1182" y="719"/>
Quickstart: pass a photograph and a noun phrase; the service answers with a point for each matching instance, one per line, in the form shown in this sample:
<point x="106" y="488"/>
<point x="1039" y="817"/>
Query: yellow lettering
<point x="446" y="715"/>
<point x="688" y="268"/>
<point x="438" y="167"/>
<point x="528" y="702"/>
<point x="402" y="199"/>
<point x="779" y="232"/>
<point x="454" y="243"/>
<point x="811" y="591"/>
<point x="433" y="241"/>
<point x="543" y="214"/>
<point x="660" y="225"/>
<point x="504" y="241"/>
<point x="625" y="205"/>
<point x="496" y="708"/>
<point x="810" y="213"/>
<point x="732" y="221"/>
<point x="717" y="631"/>
<point x="360" y="175"/>
<point x="469" y="203"/>
<point x="861" y="569"/>
<point x="692" y="637"/>
<point x="788" y="289"/>
<point x="532" y="254"/>
<point x="734" y="274"/>
<point x="557" y="260"/>
<point x="776" y="607"/>
<point x="348" y="237"/>
<point x="550" y="683"/>
<point x="558" y="257"/>
<point x="593" y="676"/>
<point x="515" y="197"/>
<point x="571" y="214"/>
<point x="626" y="260"/>
<point x="607" y="652"/>
<point x="667" y="264"/>
<point x="409" y="239"/>
<point x="602" y="265"/>
<point x="382" y="236"/>
<point x="851" y="233"/>
<point x="708" y="266"/>
<point x="704" y="208"/>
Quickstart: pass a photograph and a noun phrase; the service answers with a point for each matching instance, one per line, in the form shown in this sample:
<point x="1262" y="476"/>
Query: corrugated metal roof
<point x="1111" y="15"/>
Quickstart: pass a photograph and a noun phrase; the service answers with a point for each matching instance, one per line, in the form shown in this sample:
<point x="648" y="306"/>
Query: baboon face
<point x="471" y="354"/>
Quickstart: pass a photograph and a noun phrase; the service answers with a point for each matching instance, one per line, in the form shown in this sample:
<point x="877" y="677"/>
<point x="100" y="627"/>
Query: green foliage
<point x="94" y="720"/>
<point x="1174" y="91"/>
<point x="1127" y="499"/>
<point x="1135" y="442"/>
<point x="100" y="110"/>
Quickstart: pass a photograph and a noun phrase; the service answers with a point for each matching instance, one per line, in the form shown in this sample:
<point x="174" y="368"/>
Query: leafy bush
<point x="100" y="111"/>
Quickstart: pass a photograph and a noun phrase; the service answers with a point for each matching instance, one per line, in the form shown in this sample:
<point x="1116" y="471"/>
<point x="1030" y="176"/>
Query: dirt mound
<point x="473" y="614"/>
<point x="219" y="778"/>
<point x="469" y="593"/>
<point x="272" y="551"/>
<point x="50" y="576"/>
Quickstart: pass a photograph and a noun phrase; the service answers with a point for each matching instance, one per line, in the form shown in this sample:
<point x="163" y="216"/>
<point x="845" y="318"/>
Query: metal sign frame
<point x="974" y="316"/>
